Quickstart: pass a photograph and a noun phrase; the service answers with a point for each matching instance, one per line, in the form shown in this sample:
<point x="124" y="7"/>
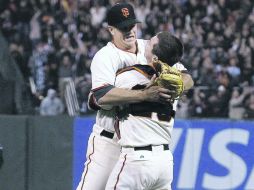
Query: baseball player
<point x="124" y="50"/>
<point x="146" y="161"/>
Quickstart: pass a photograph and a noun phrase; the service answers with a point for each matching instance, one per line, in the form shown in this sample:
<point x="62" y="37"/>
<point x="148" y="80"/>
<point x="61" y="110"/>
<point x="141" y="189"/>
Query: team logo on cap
<point x="125" y="12"/>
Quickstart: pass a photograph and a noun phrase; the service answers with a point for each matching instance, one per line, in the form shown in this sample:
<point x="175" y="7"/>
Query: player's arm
<point x="188" y="82"/>
<point x="119" y="96"/>
<point x="139" y="93"/>
<point x="104" y="93"/>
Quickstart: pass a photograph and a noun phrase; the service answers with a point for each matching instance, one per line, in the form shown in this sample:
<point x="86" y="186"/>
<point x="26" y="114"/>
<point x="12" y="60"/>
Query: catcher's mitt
<point x="169" y="78"/>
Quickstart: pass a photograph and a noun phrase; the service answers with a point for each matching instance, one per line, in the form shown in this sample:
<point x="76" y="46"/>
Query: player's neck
<point x="130" y="49"/>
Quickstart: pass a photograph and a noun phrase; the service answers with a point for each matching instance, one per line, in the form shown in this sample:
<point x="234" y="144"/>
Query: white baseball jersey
<point x="139" y="131"/>
<point x="102" y="152"/>
<point x="106" y="62"/>
<point x="142" y="168"/>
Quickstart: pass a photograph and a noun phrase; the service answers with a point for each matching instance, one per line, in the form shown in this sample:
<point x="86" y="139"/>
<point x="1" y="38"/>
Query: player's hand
<point x="158" y="94"/>
<point x="152" y="81"/>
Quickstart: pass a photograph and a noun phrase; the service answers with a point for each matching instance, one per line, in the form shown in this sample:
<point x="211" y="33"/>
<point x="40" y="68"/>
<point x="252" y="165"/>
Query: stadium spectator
<point x="236" y="103"/>
<point x="65" y="73"/>
<point x="217" y="35"/>
<point x="218" y="103"/>
<point x="249" y="113"/>
<point x="98" y="14"/>
<point x="51" y="104"/>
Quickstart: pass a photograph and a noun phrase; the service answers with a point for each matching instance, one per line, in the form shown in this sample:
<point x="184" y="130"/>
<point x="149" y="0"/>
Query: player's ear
<point x="155" y="58"/>
<point x="111" y="30"/>
<point x="156" y="63"/>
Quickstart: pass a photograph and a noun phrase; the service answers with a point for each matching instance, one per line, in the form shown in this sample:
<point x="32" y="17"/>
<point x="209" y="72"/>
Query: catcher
<point x="164" y="70"/>
<point x="145" y="129"/>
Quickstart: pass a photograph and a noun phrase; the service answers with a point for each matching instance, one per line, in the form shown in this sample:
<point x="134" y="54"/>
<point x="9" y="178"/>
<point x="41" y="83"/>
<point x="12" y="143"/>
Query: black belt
<point x="107" y="134"/>
<point x="150" y="147"/>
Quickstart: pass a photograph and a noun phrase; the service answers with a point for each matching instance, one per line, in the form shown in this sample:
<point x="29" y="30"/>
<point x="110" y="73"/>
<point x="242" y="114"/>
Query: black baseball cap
<point x="121" y="15"/>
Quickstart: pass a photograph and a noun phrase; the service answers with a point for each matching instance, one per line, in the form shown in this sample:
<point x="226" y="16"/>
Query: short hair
<point x="169" y="48"/>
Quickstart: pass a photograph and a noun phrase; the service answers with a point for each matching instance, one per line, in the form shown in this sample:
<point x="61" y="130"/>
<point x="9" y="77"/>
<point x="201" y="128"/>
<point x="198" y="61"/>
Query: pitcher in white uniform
<point x="146" y="163"/>
<point x="124" y="50"/>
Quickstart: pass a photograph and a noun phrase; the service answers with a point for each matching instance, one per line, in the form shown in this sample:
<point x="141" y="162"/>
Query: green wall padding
<point x="50" y="153"/>
<point x="13" y="139"/>
<point x="37" y="152"/>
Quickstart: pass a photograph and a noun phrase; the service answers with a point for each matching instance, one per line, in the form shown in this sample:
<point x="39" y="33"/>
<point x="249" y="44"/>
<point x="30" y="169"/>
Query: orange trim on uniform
<point x="100" y="87"/>
<point x="142" y="72"/>
<point x="124" y="70"/>
<point x="90" y="160"/>
<point x="118" y="176"/>
<point x="133" y="68"/>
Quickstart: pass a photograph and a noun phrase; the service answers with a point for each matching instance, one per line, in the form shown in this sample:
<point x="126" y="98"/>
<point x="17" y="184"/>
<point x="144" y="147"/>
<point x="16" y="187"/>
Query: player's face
<point x="149" y="47"/>
<point x="125" y="39"/>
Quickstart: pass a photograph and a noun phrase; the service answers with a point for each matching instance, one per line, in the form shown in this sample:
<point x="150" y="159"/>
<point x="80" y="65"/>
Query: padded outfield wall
<point x="37" y="153"/>
<point x="46" y="153"/>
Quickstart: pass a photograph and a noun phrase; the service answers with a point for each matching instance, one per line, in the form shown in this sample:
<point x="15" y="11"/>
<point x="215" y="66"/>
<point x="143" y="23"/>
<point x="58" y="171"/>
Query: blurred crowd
<point x="54" y="41"/>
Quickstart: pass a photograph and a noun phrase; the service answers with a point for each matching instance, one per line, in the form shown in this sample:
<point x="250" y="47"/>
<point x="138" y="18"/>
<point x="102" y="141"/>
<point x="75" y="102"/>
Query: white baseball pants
<point x="142" y="170"/>
<point x="101" y="157"/>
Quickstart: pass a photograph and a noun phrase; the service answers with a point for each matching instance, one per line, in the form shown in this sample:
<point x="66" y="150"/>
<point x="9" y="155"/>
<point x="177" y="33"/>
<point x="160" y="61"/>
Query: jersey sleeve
<point x="180" y="67"/>
<point x="103" y="68"/>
